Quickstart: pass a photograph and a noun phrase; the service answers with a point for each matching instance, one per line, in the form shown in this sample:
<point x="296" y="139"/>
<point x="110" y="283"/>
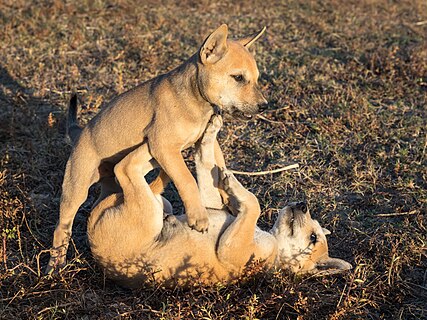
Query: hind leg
<point x="141" y="208"/>
<point x="237" y="244"/>
<point x="109" y="186"/>
<point x="209" y="159"/>
<point x="123" y="226"/>
<point x="79" y="175"/>
<point x="206" y="165"/>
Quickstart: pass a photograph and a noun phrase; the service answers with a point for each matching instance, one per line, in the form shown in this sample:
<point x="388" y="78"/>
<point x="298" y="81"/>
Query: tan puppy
<point x="164" y="115"/>
<point x="130" y="239"/>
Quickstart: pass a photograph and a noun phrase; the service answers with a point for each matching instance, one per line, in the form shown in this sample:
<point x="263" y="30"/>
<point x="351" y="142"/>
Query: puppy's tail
<point x="159" y="184"/>
<point x="73" y="128"/>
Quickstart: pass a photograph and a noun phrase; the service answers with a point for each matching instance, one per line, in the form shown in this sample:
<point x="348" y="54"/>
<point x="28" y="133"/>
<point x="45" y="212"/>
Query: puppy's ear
<point x="215" y="46"/>
<point x="329" y="265"/>
<point x="247" y="41"/>
<point x="326" y="231"/>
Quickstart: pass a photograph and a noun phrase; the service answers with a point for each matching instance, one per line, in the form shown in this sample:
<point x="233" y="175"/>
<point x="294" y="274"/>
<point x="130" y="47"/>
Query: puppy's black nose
<point x="302" y="206"/>
<point x="262" y="107"/>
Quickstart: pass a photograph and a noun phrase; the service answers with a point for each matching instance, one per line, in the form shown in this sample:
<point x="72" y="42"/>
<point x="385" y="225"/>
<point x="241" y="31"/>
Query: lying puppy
<point x="134" y="244"/>
<point x="161" y="117"/>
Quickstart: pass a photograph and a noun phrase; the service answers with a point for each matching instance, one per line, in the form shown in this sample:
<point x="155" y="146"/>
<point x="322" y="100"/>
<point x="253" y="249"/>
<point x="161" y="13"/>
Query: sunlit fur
<point x="134" y="244"/>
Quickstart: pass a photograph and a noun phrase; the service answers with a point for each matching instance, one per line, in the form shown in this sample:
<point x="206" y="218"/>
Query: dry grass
<point x="347" y="81"/>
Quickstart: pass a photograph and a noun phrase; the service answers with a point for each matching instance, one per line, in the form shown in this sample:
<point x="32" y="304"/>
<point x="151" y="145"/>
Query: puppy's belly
<point x="178" y="256"/>
<point x="196" y="259"/>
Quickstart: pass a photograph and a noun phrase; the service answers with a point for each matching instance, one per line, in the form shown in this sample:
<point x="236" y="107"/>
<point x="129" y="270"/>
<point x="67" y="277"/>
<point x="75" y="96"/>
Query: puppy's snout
<point x="261" y="102"/>
<point x="263" y="106"/>
<point x="301" y="206"/>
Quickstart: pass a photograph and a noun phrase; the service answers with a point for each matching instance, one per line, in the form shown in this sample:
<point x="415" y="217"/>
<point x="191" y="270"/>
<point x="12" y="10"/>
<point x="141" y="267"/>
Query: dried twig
<point x="260" y="173"/>
<point x="396" y="214"/>
<point x="269" y="120"/>
<point x="57" y="306"/>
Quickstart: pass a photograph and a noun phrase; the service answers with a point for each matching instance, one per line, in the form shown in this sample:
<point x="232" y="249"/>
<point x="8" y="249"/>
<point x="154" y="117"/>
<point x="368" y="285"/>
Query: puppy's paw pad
<point x="199" y="223"/>
<point x="229" y="181"/>
<point x="214" y="124"/>
<point x="216" y="121"/>
<point x="223" y="175"/>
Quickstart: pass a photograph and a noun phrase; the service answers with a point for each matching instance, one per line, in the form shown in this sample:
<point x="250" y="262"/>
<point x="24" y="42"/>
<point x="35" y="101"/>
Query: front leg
<point x="170" y="159"/>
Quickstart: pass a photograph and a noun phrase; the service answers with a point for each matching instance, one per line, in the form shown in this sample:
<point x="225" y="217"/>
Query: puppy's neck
<point x="184" y="79"/>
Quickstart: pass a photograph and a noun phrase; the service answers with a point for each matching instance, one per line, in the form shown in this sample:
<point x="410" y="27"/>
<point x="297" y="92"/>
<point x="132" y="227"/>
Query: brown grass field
<point x="347" y="83"/>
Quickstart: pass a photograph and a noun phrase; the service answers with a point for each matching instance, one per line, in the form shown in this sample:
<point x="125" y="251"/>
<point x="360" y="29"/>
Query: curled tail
<point x="73" y="128"/>
<point x="159" y="184"/>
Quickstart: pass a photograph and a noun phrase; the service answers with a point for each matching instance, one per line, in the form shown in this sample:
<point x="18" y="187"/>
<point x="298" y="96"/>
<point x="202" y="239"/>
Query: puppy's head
<point x="302" y="244"/>
<point x="228" y="74"/>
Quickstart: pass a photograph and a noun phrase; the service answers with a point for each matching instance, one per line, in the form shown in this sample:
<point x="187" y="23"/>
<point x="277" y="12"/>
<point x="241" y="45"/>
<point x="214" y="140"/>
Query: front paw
<point x="198" y="219"/>
<point x="229" y="181"/>
<point x="56" y="262"/>
<point x="215" y="123"/>
<point x="233" y="187"/>
<point x="213" y="126"/>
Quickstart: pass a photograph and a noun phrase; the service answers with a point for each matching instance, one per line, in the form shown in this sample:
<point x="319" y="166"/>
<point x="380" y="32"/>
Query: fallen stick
<point x="260" y="173"/>
<point x="396" y="214"/>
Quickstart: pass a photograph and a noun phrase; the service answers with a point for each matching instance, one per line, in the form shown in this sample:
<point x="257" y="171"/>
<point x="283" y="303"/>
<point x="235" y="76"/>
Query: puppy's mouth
<point x="239" y="114"/>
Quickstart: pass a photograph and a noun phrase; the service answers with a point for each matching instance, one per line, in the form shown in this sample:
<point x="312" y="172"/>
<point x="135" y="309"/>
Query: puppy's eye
<point x="238" y="78"/>
<point x="313" y="238"/>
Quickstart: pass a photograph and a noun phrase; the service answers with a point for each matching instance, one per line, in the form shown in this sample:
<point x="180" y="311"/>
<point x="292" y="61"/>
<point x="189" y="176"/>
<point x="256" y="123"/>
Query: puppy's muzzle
<point x="262" y="107"/>
<point x="296" y="215"/>
<point x="301" y="206"/>
<point x="249" y="112"/>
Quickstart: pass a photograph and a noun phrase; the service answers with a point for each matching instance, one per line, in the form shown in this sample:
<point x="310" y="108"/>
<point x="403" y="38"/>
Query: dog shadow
<point x="137" y="273"/>
<point x="33" y="153"/>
